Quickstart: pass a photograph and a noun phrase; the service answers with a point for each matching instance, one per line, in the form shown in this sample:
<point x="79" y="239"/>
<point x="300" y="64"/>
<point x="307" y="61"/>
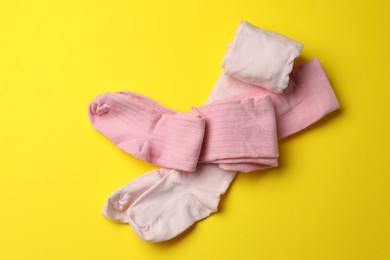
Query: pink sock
<point x="149" y="131"/>
<point x="154" y="222"/>
<point x="238" y="131"/>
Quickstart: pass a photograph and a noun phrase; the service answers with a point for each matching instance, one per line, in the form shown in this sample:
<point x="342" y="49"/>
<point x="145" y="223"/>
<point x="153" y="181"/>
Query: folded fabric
<point x="260" y="57"/>
<point x="228" y="132"/>
<point x="240" y="131"/>
<point x="161" y="204"/>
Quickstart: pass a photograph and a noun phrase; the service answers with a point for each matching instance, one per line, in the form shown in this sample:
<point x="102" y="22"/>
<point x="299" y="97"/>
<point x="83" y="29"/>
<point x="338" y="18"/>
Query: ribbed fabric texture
<point x="149" y="131"/>
<point x="260" y="57"/>
<point x="231" y="133"/>
<point x="308" y="98"/>
<point x="240" y="131"/>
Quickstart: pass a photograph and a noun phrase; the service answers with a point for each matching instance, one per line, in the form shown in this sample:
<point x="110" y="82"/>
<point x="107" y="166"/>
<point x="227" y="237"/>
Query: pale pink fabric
<point x="260" y="57"/>
<point x="238" y="131"/>
<point x="166" y="202"/>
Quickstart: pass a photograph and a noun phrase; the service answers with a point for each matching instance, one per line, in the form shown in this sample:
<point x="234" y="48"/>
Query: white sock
<point x="121" y="199"/>
<point x="177" y="201"/>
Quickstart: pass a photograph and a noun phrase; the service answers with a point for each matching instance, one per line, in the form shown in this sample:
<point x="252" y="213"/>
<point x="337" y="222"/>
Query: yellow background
<point x="329" y="199"/>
